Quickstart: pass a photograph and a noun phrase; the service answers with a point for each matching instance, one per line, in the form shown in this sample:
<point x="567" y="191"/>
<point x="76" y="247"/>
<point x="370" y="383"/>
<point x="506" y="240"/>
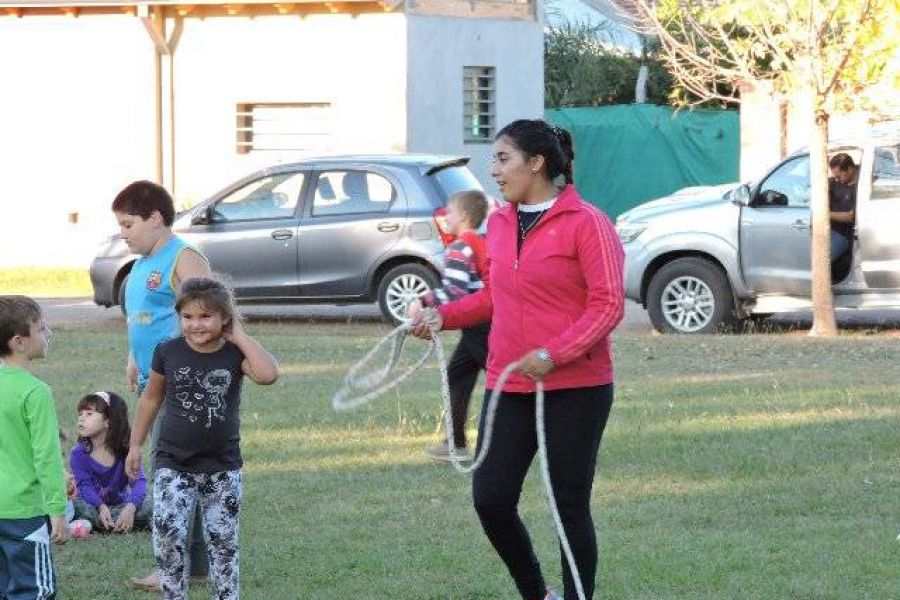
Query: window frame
<point x="301" y="195"/>
<point x="313" y="185"/>
<point x="761" y="187"/>
<point x="479" y="113"/>
<point x="245" y="133"/>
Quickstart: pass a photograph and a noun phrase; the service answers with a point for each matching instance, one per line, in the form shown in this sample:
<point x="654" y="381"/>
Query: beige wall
<point x="356" y="64"/>
<point x="78" y="106"/>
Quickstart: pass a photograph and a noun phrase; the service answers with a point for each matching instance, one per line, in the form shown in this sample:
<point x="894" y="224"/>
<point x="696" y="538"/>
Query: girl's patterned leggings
<point x="175" y="493"/>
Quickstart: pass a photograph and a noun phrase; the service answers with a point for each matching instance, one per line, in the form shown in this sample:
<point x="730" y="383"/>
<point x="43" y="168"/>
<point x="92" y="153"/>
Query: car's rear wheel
<point x="690" y="295"/>
<point x="400" y="286"/>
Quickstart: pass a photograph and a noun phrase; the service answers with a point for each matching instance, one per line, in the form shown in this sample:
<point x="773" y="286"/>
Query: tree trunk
<point x="824" y="324"/>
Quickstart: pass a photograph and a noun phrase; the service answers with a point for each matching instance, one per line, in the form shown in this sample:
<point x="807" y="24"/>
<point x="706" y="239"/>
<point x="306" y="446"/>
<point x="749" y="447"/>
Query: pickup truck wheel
<point x="690" y="295"/>
<point x="401" y="285"/>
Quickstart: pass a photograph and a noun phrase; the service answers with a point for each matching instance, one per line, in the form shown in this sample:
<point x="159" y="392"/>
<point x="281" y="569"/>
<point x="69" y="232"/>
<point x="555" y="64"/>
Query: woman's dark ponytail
<point x="536" y="137"/>
<point x="565" y="144"/>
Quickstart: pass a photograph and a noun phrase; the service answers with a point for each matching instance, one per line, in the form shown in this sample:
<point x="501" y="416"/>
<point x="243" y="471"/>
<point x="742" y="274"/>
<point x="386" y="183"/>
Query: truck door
<point x="878" y="222"/>
<point x="774" y="237"/>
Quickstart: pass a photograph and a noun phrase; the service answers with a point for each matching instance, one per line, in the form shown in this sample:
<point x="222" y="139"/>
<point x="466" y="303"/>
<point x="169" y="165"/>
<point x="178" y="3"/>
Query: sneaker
<point x="552" y="596"/>
<point x="80" y="528"/>
<point x="442" y="452"/>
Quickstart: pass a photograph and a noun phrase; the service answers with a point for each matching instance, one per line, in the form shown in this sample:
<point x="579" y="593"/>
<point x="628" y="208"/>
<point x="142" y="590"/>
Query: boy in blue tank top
<point x="145" y="213"/>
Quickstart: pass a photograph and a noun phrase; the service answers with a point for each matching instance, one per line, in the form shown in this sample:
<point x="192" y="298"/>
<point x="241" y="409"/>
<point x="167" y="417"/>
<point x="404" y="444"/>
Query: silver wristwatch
<point x="544" y="355"/>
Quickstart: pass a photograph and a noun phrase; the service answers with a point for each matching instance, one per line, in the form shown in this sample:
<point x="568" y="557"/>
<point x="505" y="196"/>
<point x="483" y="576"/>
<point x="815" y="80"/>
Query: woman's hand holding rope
<point x="532" y="365"/>
<point x="425" y="322"/>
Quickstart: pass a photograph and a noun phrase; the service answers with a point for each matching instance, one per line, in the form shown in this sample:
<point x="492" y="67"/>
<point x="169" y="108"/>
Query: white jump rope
<point x="353" y="394"/>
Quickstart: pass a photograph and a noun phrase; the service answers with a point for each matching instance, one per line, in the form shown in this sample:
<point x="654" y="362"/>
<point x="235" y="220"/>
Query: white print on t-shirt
<point x="205" y="391"/>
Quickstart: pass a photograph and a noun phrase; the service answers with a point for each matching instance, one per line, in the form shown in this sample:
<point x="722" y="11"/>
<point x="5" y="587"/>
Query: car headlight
<point x="628" y="232"/>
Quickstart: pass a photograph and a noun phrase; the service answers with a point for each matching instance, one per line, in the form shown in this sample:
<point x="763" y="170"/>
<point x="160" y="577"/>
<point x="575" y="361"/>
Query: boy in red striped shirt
<point x="465" y="268"/>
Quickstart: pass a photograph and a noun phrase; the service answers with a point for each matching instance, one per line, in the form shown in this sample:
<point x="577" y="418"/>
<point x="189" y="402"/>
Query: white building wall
<point x="77" y="106"/>
<point x="77" y="95"/>
<point x="439" y="48"/>
<point x="357" y="64"/>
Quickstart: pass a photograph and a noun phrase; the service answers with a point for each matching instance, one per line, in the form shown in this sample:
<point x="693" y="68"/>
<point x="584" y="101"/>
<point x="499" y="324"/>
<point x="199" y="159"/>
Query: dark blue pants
<point x="26" y="560"/>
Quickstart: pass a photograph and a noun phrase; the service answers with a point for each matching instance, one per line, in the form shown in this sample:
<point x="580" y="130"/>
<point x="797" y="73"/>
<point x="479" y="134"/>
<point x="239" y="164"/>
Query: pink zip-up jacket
<point x="564" y="291"/>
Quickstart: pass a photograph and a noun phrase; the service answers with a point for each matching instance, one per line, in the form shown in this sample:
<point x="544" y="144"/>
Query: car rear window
<point x="454" y="179"/>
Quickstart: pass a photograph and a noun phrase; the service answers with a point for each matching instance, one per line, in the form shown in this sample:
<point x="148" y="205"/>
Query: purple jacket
<point x="98" y="484"/>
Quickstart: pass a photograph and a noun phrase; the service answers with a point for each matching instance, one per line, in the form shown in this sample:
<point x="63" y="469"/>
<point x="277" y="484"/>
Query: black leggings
<point x="575" y="419"/>
<point x="462" y="373"/>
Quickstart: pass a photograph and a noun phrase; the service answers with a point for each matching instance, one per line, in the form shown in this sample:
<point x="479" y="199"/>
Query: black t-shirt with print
<point x="200" y="430"/>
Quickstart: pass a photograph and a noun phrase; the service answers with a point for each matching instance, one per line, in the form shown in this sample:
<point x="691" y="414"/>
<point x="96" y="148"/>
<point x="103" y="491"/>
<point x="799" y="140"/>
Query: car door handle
<point x="799" y="225"/>
<point x="282" y="234"/>
<point x="388" y="227"/>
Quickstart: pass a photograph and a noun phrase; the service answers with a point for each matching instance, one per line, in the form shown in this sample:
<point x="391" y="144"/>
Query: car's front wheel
<point x="400" y="286"/>
<point x="690" y="295"/>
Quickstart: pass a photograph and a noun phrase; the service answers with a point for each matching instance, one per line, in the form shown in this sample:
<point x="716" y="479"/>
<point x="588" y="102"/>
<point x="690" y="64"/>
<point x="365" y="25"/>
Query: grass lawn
<point x="756" y="466"/>
<point x="45" y="282"/>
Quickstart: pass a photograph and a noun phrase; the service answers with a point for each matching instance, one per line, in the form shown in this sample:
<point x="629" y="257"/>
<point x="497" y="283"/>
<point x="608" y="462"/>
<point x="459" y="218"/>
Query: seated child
<point x="78" y="528"/>
<point x="106" y="497"/>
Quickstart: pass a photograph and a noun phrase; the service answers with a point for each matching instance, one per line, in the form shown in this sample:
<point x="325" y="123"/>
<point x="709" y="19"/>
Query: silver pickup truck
<point x="705" y="259"/>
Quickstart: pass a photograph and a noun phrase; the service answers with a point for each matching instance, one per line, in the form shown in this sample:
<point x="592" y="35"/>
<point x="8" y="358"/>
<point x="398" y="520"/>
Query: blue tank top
<point x="150" y="304"/>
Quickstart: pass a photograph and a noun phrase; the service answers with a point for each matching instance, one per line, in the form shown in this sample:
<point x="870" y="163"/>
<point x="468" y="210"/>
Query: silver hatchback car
<point x="342" y="230"/>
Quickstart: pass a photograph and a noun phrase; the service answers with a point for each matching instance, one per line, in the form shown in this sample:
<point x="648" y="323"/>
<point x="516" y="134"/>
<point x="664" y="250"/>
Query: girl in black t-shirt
<point x="198" y="457"/>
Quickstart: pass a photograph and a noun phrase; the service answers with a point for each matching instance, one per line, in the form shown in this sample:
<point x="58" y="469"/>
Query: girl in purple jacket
<point x="106" y="497"/>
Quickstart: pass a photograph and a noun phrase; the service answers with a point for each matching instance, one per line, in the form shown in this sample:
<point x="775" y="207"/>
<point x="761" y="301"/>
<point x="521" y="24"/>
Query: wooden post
<point x="163" y="45"/>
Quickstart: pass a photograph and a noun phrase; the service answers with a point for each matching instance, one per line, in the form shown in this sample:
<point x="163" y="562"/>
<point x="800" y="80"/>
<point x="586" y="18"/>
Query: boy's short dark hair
<point x="141" y="198"/>
<point x="473" y="203"/>
<point x="17" y="313"/>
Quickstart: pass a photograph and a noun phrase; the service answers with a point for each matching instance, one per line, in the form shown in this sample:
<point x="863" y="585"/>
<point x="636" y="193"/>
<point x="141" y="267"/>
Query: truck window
<point x="788" y="185"/>
<point x="886" y="173"/>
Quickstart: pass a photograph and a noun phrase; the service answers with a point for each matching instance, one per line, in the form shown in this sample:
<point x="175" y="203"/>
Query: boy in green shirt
<point x="32" y="480"/>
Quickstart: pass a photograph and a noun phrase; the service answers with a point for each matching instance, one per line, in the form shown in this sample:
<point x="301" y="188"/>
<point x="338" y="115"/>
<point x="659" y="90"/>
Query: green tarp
<point x="628" y="154"/>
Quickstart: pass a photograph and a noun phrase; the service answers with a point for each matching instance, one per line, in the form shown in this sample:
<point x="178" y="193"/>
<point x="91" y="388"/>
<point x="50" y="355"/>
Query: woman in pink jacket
<point x="554" y="294"/>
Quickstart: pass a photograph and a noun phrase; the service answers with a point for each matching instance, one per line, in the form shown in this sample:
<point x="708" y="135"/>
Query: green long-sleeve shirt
<point x="32" y="480"/>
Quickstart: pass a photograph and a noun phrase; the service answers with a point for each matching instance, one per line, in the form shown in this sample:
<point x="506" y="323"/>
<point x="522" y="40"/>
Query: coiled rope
<point x="360" y="389"/>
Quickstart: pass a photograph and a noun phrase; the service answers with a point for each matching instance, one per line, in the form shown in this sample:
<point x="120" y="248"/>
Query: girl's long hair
<point x="114" y="408"/>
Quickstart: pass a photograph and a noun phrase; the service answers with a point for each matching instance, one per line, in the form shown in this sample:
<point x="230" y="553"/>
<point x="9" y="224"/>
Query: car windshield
<point x="455" y="179"/>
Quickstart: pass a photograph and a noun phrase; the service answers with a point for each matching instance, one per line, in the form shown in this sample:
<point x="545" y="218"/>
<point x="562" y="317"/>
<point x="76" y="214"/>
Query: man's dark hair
<point x="141" y="198"/>
<point x="17" y="313"/>
<point x="842" y="162"/>
<point x="474" y="204"/>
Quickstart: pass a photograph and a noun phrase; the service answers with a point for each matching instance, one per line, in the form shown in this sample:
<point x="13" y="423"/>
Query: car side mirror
<point x="773" y="198"/>
<point x="741" y="195"/>
<point x="204" y="216"/>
